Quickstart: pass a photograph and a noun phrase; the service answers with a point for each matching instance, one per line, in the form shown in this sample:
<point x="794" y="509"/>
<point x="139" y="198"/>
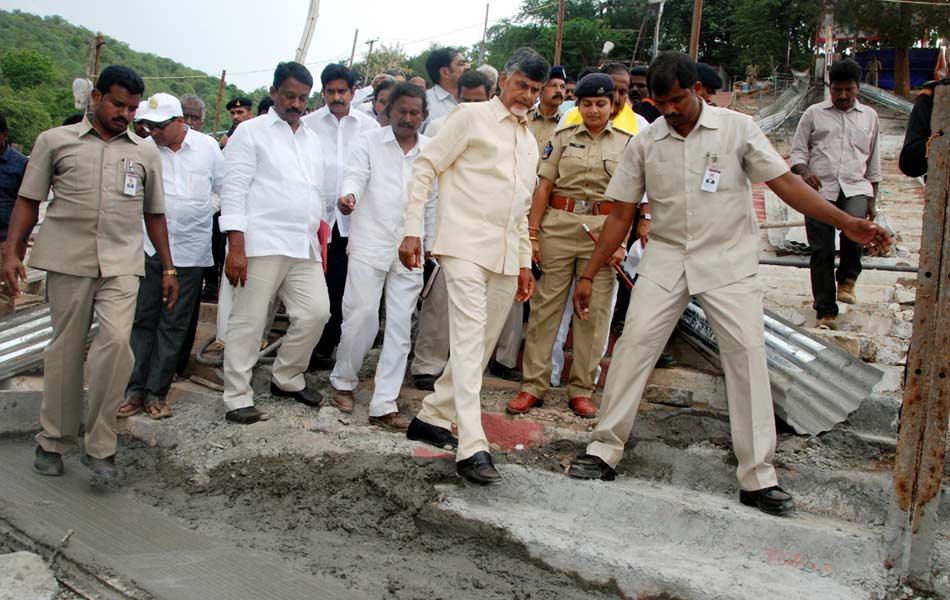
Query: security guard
<point x="697" y="164"/>
<point x="543" y="119"/>
<point x="104" y="179"/>
<point x="241" y="109"/>
<point x="576" y="166"/>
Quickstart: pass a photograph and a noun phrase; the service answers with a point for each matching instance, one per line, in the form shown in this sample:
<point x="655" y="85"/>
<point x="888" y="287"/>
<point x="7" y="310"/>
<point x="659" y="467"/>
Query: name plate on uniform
<point x="711" y="179"/>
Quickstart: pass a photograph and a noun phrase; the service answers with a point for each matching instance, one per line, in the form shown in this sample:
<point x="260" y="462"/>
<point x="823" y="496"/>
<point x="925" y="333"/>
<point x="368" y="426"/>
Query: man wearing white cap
<point x="192" y="167"/>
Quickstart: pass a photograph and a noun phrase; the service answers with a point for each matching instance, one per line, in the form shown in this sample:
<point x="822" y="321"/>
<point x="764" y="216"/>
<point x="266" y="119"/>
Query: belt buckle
<point x="582" y="207"/>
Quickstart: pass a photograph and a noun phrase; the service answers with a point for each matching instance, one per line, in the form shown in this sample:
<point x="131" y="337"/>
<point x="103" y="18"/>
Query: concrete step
<point x="654" y="539"/>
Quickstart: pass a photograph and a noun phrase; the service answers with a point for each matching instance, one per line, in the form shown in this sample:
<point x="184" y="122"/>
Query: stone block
<point x="25" y="576"/>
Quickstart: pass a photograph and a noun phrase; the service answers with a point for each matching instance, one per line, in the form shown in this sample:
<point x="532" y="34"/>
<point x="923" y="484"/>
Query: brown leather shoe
<point x="583" y="407"/>
<point x="391" y="422"/>
<point x="846" y="293"/>
<point x="522" y="403"/>
<point x="342" y="400"/>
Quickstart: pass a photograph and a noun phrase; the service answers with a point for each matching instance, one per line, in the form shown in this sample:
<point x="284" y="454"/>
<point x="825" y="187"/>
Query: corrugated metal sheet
<point x="23" y="337"/>
<point x="814" y="386"/>
<point x="876" y="94"/>
<point x="788" y="102"/>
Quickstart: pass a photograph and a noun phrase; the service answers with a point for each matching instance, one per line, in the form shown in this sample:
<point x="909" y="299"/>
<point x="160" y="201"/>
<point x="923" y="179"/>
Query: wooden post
<point x="349" y="65"/>
<point x="656" y="29"/>
<point x="694" y="32"/>
<point x="481" y="49"/>
<point x="217" y="107"/>
<point x="560" y="32"/>
<point x="921" y="442"/>
<point x="369" y="54"/>
<point x="95" y="70"/>
<point x="636" y="47"/>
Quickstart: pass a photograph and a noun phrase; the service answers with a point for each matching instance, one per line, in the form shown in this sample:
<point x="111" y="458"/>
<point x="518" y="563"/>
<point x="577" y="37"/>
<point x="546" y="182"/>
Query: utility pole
<point x="481" y="49"/>
<point x="636" y="47"/>
<point x="656" y="29"/>
<point x="217" y="107"/>
<point x="694" y="32"/>
<point x="353" y="51"/>
<point x="912" y="524"/>
<point x="309" y="27"/>
<point x="369" y="56"/>
<point x="560" y="32"/>
<point x="95" y="70"/>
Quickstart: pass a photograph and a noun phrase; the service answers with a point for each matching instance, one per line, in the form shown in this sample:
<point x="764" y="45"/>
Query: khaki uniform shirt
<point x="92" y="228"/>
<point x="581" y="165"/>
<point x="711" y="236"/>
<point x="542" y="127"/>
<point x="485" y="159"/>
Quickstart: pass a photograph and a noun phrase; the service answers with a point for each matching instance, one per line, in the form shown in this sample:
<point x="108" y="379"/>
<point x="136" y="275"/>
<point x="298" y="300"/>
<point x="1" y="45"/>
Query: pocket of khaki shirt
<point x="71" y="177"/>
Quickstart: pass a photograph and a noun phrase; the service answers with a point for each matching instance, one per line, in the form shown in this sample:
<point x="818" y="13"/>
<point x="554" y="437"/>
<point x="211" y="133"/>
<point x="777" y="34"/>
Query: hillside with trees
<point x="40" y="57"/>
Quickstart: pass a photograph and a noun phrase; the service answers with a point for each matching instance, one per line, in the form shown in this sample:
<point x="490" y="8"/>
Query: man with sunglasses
<point x="192" y="168"/>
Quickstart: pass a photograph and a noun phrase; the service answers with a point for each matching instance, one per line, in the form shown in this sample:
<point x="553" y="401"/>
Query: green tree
<point x="758" y="22"/>
<point x="26" y="116"/>
<point x="899" y="25"/>
<point x="25" y="68"/>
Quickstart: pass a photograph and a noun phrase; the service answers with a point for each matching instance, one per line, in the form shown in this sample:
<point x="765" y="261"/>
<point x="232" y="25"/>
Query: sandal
<point x="131" y="406"/>
<point x="157" y="409"/>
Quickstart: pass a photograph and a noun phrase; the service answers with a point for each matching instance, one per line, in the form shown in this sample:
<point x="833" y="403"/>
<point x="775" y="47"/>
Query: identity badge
<point x="131" y="184"/>
<point x="711" y="179"/>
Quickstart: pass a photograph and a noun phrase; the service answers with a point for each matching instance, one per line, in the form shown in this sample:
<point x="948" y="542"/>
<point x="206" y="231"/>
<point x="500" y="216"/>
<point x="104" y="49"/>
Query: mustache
<point x="558" y="95"/>
<point x="406" y="125"/>
<point x="121" y="120"/>
<point x="294" y="110"/>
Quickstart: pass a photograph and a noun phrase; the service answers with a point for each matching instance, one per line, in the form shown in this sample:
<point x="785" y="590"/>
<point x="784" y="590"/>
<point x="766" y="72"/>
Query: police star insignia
<point x="547" y="151"/>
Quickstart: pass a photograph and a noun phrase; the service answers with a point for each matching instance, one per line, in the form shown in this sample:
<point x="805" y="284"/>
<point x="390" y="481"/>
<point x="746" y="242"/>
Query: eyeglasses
<point x="158" y="126"/>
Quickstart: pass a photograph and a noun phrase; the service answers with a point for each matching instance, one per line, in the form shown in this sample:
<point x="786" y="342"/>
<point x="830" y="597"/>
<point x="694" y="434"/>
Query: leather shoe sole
<point x="772" y="500"/>
<point x="439" y="437"/>
<point x="342" y="400"/>
<point x="103" y="469"/>
<point x="478" y="468"/>
<point x="523" y="403"/>
<point x="589" y="466"/>
<point x="246" y="415"/>
<point x="304" y="396"/>
<point x="48" y="463"/>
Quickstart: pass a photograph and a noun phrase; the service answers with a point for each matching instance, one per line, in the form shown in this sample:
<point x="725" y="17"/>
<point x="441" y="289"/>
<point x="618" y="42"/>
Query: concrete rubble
<point x="26" y="576"/>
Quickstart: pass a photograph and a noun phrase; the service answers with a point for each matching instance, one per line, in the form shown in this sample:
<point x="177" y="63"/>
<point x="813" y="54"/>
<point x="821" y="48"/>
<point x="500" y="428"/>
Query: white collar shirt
<point x="273" y="190"/>
<point x="440" y="103"/>
<point x="378" y="176"/>
<point x="840" y="147"/>
<point x="336" y="139"/>
<point x="189" y="176"/>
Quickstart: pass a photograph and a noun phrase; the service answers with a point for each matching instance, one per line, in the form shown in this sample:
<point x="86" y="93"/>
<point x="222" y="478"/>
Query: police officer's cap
<point x="708" y="76"/>
<point x="557" y="72"/>
<point x="593" y="85"/>
<point x="240" y="102"/>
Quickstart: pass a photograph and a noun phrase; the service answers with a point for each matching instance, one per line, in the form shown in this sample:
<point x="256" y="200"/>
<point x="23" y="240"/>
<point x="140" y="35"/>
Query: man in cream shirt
<point x="485" y="159"/>
<point x="271" y="207"/>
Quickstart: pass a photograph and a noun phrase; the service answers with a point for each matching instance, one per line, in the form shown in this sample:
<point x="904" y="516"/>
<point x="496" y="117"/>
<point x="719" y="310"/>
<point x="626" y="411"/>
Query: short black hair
<point x="295" y="70"/>
<point x="407" y="90"/>
<point x="614" y="67"/>
<point x="335" y="71"/>
<point x="438" y="58"/>
<point x="640" y="70"/>
<point x="529" y="63"/>
<point x="474" y="78"/>
<point x="382" y="86"/>
<point x="587" y="71"/>
<point x="394" y="72"/>
<point x="3" y="124"/>
<point x="264" y="105"/>
<point x="668" y="68"/>
<point x="73" y="119"/>
<point x="844" y="71"/>
<point x="123" y="77"/>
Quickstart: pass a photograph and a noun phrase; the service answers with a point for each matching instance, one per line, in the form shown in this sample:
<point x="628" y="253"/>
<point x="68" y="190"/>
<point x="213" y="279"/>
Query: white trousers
<point x="735" y="313"/>
<point x="557" y="353"/>
<point x="301" y="286"/>
<point x="365" y="286"/>
<point x="479" y="302"/>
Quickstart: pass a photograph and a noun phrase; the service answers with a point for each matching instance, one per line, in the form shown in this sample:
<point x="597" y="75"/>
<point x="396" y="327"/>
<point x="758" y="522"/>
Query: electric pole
<point x="694" y="32"/>
<point x="560" y="32"/>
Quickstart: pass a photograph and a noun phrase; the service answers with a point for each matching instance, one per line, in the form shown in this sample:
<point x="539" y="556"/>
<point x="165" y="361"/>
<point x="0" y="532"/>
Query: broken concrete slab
<point x="26" y="576"/>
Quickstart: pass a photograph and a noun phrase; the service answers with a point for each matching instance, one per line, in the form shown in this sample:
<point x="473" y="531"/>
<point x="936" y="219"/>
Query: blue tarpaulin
<point x="922" y="64"/>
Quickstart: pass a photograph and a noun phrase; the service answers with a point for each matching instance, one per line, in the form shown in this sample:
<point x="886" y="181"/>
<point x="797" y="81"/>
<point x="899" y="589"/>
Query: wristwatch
<point x="172" y="271"/>
<point x="646" y="216"/>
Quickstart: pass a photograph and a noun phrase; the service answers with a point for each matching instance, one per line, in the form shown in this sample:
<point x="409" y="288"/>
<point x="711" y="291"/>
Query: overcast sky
<point x="249" y="37"/>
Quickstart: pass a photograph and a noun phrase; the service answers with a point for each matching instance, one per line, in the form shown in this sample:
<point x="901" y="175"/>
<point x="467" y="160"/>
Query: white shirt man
<point x="440" y="101"/>
<point x="376" y="180"/>
<point x="271" y="207"/>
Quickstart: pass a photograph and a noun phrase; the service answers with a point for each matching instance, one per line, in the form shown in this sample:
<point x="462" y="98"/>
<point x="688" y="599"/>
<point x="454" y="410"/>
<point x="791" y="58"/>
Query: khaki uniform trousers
<point x="479" y="301"/>
<point x="509" y="342"/>
<point x="73" y="301"/>
<point x="735" y="313"/>
<point x="301" y="286"/>
<point x="431" y="352"/>
<point x="565" y="250"/>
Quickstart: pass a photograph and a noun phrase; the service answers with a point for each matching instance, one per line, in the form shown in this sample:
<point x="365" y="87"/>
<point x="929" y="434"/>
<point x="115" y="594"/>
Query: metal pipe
<point x="802" y="263"/>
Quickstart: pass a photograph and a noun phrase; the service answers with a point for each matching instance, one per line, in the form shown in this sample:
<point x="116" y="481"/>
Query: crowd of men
<point x="463" y="202"/>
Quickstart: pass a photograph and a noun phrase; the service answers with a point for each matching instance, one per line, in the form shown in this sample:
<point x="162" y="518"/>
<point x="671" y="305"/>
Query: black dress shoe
<point x="304" y="396"/>
<point x="424" y="382"/>
<point x="589" y="466"/>
<point x="103" y="469"/>
<point x="439" y="437"/>
<point x="48" y="463"/>
<point x="501" y="371"/>
<point x="772" y="500"/>
<point x="246" y="415"/>
<point x="665" y="361"/>
<point x="478" y="468"/>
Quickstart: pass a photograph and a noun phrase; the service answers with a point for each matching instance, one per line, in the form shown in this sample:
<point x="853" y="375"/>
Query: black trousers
<point x="821" y="238"/>
<point x="212" y="275"/>
<point x="336" y="282"/>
